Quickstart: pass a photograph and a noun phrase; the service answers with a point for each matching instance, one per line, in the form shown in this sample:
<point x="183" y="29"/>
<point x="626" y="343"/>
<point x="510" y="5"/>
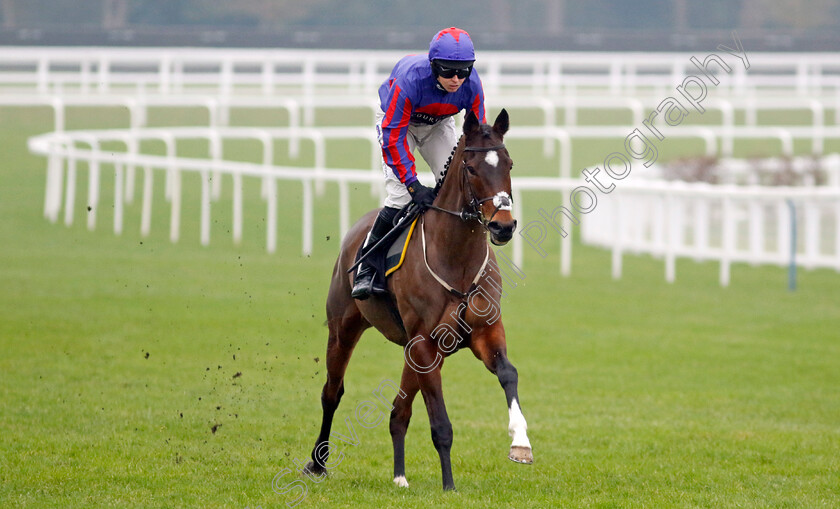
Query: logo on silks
<point x="427" y="118"/>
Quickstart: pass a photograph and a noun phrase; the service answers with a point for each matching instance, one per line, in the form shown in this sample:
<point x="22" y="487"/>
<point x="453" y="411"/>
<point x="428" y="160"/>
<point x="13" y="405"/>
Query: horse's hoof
<point x="401" y="481"/>
<point x="521" y="454"/>
<point x="312" y="468"/>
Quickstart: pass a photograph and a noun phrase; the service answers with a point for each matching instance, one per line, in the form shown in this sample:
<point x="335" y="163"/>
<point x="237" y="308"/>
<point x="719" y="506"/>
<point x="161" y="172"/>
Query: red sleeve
<point x="395" y="150"/>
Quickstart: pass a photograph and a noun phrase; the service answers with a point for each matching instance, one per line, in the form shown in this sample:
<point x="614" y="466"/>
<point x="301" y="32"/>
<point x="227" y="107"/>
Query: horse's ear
<point x="502" y="123"/>
<point x="471" y="122"/>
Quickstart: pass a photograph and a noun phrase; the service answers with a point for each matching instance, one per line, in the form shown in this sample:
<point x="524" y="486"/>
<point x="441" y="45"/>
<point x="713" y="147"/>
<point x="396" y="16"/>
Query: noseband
<point x="501" y="200"/>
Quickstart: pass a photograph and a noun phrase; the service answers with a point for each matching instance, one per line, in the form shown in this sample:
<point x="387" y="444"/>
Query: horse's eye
<point x="470" y="169"/>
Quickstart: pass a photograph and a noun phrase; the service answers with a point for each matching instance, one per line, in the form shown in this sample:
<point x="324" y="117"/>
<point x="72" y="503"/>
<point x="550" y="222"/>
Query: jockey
<point x="417" y="105"/>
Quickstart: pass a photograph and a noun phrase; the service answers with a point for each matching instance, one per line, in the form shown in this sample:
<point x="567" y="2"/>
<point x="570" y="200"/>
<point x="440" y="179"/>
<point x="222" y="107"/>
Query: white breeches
<point x="435" y="144"/>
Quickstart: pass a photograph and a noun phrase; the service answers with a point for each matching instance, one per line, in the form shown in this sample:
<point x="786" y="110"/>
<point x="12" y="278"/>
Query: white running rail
<point x="267" y="72"/>
<point x="644" y="215"/>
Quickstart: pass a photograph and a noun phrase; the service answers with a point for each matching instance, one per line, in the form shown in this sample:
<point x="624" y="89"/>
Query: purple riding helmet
<point x="451" y="48"/>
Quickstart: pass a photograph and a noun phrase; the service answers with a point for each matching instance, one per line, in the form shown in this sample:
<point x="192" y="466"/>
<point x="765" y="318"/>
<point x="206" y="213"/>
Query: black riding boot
<point x="366" y="282"/>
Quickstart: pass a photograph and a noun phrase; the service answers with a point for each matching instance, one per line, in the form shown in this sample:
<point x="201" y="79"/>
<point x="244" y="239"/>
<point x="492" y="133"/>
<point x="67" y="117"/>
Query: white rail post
<point x="55" y="175"/>
<point x="270" y="193"/>
<point x="43" y="73"/>
<point x="173" y="186"/>
<point x="294" y="127"/>
<point x="307" y="217"/>
<point x="132" y="144"/>
<point x="549" y="121"/>
<point x="618" y="235"/>
<point x="756" y="230"/>
<point x="727" y="143"/>
<point x="215" y="148"/>
<point x="146" y="213"/>
<point x="818" y="121"/>
<point x="569" y="110"/>
<point x="566" y="242"/>
<point x="222" y="112"/>
<point x="565" y="152"/>
<point x="320" y="161"/>
<point x="165" y="74"/>
<point x="812" y="235"/>
<point x="268" y="77"/>
<point x="728" y="241"/>
<point x="103" y="75"/>
<point x="269" y="190"/>
<point x="93" y="184"/>
<point x="119" y="184"/>
<point x="343" y="208"/>
<point x="237" y="208"/>
<point x="837" y="235"/>
<point x="206" y="193"/>
<point x="70" y="189"/>
<point x="701" y="228"/>
<point x="226" y="77"/>
<point x="54" y="167"/>
<point x="175" y="201"/>
<point x="84" y="75"/>
<point x="674" y="220"/>
<point x="782" y="230"/>
<point x="57" y="104"/>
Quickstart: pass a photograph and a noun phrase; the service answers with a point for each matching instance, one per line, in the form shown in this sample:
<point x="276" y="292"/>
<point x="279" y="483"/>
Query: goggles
<point x="448" y="72"/>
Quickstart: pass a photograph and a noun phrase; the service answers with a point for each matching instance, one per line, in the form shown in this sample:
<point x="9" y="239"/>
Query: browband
<point x="484" y="149"/>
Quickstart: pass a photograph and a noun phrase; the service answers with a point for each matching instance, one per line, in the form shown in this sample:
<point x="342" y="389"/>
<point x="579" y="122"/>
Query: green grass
<point x="120" y="354"/>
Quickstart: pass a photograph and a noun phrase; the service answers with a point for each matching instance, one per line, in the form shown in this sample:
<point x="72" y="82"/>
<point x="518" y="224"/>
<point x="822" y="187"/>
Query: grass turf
<point x="138" y="373"/>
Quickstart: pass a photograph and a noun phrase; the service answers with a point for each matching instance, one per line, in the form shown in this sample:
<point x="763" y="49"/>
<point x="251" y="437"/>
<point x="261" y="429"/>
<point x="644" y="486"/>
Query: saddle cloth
<point x="396" y="252"/>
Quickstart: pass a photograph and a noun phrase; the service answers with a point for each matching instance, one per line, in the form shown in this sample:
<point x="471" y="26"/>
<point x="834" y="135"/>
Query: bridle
<point x="472" y="211"/>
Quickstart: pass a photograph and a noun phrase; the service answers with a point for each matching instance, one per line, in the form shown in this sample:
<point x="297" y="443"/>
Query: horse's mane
<point x="485" y="130"/>
<point x="459" y="145"/>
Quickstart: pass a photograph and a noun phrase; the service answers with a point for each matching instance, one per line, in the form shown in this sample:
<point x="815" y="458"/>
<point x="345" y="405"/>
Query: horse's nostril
<point x="496" y="227"/>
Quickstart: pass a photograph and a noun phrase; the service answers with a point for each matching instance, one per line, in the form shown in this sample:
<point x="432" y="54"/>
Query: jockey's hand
<point x="420" y="194"/>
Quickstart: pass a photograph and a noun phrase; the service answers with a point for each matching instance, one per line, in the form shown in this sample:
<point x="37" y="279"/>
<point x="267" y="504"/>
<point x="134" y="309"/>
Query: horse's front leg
<point x="424" y="358"/>
<point x="488" y="344"/>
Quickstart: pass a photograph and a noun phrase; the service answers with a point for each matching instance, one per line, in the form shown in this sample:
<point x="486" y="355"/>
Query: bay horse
<point x="438" y="302"/>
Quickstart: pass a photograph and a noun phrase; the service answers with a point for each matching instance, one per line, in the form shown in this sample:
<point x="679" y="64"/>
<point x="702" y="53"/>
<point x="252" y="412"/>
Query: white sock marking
<point x="518" y="427"/>
<point x="401" y="482"/>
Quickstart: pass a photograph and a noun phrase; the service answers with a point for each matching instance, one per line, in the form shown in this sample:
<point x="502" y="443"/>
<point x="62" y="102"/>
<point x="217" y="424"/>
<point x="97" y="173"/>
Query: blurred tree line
<point x="534" y="16"/>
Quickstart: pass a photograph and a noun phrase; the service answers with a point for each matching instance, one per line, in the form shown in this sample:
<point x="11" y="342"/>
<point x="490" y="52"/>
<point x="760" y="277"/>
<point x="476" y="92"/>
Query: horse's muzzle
<point x="501" y="233"/>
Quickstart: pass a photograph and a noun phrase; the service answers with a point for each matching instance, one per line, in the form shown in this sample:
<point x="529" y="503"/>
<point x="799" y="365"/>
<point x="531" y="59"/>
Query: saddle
<point x="388" y="257"/>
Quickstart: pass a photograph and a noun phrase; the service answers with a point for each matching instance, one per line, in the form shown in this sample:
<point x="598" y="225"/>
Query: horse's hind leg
<point x="345" y="331"/>
<point x="400" y="417"/>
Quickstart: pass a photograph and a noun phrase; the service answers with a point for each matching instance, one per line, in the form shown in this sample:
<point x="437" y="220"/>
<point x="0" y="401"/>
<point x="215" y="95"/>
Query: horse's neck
<point x="461" y="245"/>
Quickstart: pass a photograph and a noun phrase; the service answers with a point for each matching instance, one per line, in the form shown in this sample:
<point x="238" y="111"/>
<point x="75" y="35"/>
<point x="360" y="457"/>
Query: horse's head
<point x="486" y="174"/>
